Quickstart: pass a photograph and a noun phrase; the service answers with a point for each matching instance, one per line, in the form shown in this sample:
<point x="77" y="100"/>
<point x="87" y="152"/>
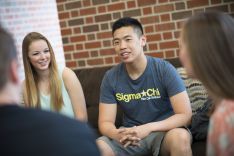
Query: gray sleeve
<point x="173" y="82"/>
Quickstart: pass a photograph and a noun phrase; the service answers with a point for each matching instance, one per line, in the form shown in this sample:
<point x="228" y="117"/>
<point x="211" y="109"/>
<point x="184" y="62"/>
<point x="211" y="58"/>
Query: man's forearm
<point x="108" y="129"/>
<point x="175" y="121"/>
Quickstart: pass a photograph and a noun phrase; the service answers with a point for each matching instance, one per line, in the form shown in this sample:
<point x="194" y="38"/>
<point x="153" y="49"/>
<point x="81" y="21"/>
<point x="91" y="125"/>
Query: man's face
<point x="128" y="44"/>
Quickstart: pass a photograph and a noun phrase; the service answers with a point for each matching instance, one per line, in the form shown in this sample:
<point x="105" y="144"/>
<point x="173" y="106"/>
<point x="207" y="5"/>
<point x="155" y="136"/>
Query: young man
<point x="152" y="96"/>
<point x="34" y="132"/>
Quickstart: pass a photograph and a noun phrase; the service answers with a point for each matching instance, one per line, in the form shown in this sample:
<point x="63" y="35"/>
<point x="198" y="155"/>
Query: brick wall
<point x="86" y="26"/>
<point x="20" y="17"/>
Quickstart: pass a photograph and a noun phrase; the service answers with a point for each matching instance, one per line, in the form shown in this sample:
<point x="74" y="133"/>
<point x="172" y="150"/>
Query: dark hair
<point x="209" y="38"/>
<point x="128" y="21"/>
<point x="7" y="54"/>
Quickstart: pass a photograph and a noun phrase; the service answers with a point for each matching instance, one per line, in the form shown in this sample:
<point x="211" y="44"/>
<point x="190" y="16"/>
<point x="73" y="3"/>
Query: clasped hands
<point x="132" y="136"/>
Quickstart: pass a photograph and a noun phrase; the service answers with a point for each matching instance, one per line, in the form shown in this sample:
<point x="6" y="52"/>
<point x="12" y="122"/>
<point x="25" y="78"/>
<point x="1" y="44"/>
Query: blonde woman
<point x="46" y="85"/>
<point x="207" y="53"/>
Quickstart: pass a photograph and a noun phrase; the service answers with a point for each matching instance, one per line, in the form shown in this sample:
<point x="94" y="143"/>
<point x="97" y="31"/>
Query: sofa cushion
<point x="90" y="80"/>
<point x="196" y="91"/>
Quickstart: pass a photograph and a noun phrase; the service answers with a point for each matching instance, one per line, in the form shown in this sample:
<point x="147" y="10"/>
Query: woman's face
<point x="39" y="55"/>
<point x="184" y="58"/>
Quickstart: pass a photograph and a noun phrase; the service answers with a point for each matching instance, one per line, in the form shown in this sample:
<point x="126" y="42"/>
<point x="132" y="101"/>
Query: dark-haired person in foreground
<point x="207" y="53"/>
<point x="30" y="132"/>
<point x="152" y="96"/>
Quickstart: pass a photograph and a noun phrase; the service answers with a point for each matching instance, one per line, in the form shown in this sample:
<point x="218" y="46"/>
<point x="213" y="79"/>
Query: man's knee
<point x="104" y="148"/>
<point x="178" y="140"/>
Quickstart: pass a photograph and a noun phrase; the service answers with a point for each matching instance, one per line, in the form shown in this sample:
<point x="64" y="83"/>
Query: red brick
<point x="149" y="29"/>
<point x="162" y="1"/>
<point x="153" y="37"/>
<point x="60" y="1"/>
<point x="67" y="56"/>
<point x="89" y="20"/>
<point x="105" y="52"/>
<point x="92" y="45"/>
<point x="96" y="2"/>
<point x="86" y="3"/>
<point x="109" y="60"/>
<point x="62" y="24"/>
<point x="147" y="10"/>
<point x="167" y="35"/>
<point x="156" y="54"/>
<point x="169" y="53"/>
<point x="102" y="18"/>
<point x="197" y="3"/>
<point x="165" y="17"/>
<point x="74" y="13"/>
<point x="68" y="48"/>
<point x="76" y="22"/>
<point x="179" y="24"/>
<point x="73" y="5"/>
<point x="81" y="63"/>
<point x="97" y="61"/>
<point x="90" y="28"/>
<point x="77" y="30"/>
<point x="87" y="11"/>
<point x="60" y="7"/>
<point x="149" y="20"/>
<point x="66" y="32"/>
<point x="131" y="4"/>
<point x="94" y="53"/>
<point x="117" y="59"/>
<point x="71" y="64"/>
<point x="146" y="2"/>
<point x="104" y="35"/>
<point x="117" y="6"/>
<point x="169" y="44"/>
<point x="165" y="27"/>
<point x="65" y="40"/>
<point x="105" y="26"/>
<point x="107" y="43"/>
<point x="79" y="38"/>
<point x="177" y="34"/>
<point x="63" y="15"/>
<point x="153" y="46"/>
<point x="181" y="15"/>
<point x="132" y="13"/>
<point x="163" y="8"/>
<point x="91" y="37"/>
<point x="102" y="9"/>
<point x="180" y="6"/>
<point x="83" y="54"/>
<point x="79" y="47"/>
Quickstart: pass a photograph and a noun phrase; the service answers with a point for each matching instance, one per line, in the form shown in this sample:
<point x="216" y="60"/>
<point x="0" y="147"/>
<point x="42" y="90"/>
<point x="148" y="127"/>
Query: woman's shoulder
<point x="68" y="74"/>
<point x="67" y="71"/>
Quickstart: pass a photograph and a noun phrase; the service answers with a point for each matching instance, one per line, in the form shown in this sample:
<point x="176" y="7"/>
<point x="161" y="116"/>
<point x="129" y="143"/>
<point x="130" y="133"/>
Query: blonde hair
<point x="31" y="77"/>
<point x="210" y="41"/>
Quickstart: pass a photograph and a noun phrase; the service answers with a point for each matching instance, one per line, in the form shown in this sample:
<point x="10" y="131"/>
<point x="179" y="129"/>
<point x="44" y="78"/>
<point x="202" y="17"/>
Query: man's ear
<point x="143" y="40"/>
<point x="14" y="75"/>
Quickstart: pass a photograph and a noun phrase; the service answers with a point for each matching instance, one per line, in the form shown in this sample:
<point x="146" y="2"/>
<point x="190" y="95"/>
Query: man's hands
<point x="132" y="136"/>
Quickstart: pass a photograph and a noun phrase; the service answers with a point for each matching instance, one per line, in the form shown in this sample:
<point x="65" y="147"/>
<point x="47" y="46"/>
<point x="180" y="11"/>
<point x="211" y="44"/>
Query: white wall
<point x="20" y="17"/>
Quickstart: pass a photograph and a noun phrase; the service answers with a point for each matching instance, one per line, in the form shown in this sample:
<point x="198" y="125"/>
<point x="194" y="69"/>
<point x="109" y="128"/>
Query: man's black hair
<point x="128" y="21"/>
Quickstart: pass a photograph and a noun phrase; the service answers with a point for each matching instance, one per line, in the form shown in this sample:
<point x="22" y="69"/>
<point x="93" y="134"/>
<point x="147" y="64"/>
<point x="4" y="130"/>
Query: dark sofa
<point x="91" y="79"/>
